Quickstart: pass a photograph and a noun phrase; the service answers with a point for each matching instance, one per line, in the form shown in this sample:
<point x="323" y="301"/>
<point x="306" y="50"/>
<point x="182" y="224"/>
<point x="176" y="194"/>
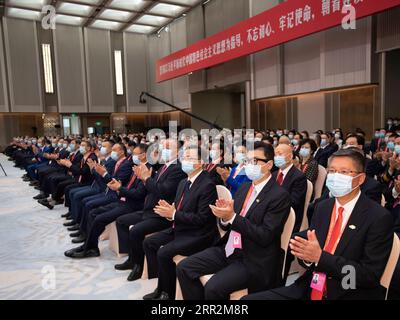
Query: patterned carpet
<point x="32" y="245"/>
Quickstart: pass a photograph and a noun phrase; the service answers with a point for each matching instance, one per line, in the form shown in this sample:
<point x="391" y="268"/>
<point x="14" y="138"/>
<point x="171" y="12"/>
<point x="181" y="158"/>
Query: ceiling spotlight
<point x="167" y="29"/>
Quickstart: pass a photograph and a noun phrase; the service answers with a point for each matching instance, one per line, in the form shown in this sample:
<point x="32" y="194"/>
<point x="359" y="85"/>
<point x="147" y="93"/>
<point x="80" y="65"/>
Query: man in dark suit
<point x="98" y="186"/>
<point x="81" y="175"/>
<point x="348" y="244"/>
<point x="122" y="172"/>
<point x="131" y="198"/>
<point x="249" y="255"/>
<point x="378" y="140"/>
<point x="325" y="149"/>
<point x="44" y="147"/>
<point x="217" y="161"/>
<point x="194" y="228"/>
<point x="292" y="180"/>
<point x="162" y="186"/>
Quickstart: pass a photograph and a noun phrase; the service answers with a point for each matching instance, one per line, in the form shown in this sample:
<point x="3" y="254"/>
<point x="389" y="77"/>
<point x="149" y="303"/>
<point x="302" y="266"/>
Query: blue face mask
<point x="187" y="167"/>
<point x="72" y="147"/>
<point x="280" y="161"/>
<point x="114" y="155"/>
<point x="129" y="151"/>
<point x="103" y="151"/>
<point x="339" y="185"/>
<point x="59" y="145"/>
<point x="304" y="152"/>
<point x="240" y="157"/>
<point x="39" y="145"/>
<point x="323" y="142"/>
<point x="135" y="159"/>
<point x="382" y="135"/>
<point x="390" y="145"/>
<point x="253" y="172"/>
<point x="397" y="149"/>
<point x="54" y="145"/>
<point x="65" y="145"/>
<point x="166" y="155"/>
<point x="214" y="154"/>
<point x="377" y="135"/>
<point x="295" y="142"/>
<point x="82" y="149"/>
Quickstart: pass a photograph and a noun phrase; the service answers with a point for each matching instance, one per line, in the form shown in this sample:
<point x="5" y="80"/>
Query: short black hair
<point x="143" y="147"/>
<point x="122" y="147"/>
<point x="354" y="154"/>
<point x="360" y="139"/>
<point x="268" y="150"/>
<point x="311" y="142"/>
<point x="131" y="143"/>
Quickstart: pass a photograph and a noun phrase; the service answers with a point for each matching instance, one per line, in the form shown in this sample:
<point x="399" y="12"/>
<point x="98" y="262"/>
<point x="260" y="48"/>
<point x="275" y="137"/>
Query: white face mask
<point x="253" y="172"/>
<point x="339" y="184"/>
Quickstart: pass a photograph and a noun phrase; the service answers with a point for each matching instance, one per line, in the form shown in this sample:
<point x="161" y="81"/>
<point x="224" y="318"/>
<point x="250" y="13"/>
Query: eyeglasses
<point x="344" y="172"/>
<point x="254" y="161"/>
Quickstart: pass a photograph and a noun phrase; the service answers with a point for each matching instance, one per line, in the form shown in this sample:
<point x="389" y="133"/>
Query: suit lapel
<point x="192" y="189"/>
<point x="260" y="197"/>
<point x="356" y="220"/>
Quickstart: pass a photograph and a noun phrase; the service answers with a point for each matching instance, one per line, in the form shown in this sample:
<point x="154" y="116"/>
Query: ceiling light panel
<point x="167" y="9"/>
<point x="72" y="8"/>
<point x="115" y="15"/>
<point x="152" y="20"/>
<point x="134" y="5"/>
<point x="104" y="24"/>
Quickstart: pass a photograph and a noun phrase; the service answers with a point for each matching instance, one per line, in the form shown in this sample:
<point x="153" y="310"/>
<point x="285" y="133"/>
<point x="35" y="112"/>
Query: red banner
<point x="288" y="21"/>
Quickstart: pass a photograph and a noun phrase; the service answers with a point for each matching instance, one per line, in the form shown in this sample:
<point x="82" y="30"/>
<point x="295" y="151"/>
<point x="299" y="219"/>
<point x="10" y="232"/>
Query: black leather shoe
<point x="163" y="296"/>
<point x="127" y="265"/>
<point x="40" y="196"/>
<point x="136" y="273"/>
<point x="34" y="183"/>
<point x="91" y="253"/>
<point x="75" y="234"/>
<point x="27" y="179"/>
<point x="154" y="295"/>
<point x="69" y="218"/>
<point x="74" y="250"/>
<point x="58" y="202"/>
<point x="73" y="228"/>
<point x="45" y="203"/>
<point x="69" y="224"/>
<point x="80" y="239"/>
<point x="66" y="215"/>
<point x="37" y="188"/>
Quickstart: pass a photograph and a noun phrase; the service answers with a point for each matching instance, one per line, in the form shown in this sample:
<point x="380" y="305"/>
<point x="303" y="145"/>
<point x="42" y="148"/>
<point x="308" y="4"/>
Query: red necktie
<point x="164" y="168"/>
<point x="330" y="248"/>
<point x="279" y="180"/>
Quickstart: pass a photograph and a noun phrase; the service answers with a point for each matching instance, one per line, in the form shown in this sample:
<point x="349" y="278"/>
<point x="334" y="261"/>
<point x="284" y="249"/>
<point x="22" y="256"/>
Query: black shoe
<point x="127" y="265"/>
<point x="154" y="295"/>
<point x="69" y="218"/>
<point x="34" y="184"/>
<point x="27" y="179"/>
<point x="66" y="215"/>
<point x="163" y="296"/>
<point x="73" y="228"/>
<point x="40" y="196"/>
<point x="45" y="203"/>
<point x="37" y="188"/>
<point x="74" y="250"/>
<point x="69" y="224"/>
<point x="80" y="239"/>
<point x="91" y="253"/>
<point x="75" y="234"/>
<point x="136" y="273"/>
<point x="58" y="202"/>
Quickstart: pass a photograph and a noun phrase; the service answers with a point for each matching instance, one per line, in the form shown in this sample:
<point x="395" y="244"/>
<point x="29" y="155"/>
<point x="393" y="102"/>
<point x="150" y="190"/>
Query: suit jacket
<point x="162" y="186"/>
<point x="109" y="164"/>
<point x="83" y="169"/>
<point x="366" y="248"/>
<point x="214" y="175"/>
<point x="295" y="183"/>
<point x="261" y="231"/>
<point x="322" y="155"/>
<point x="134" y="194"/>
<point x="195" y="219"/>
<point x="41" y="151"/>
<point x="123" y="173"/>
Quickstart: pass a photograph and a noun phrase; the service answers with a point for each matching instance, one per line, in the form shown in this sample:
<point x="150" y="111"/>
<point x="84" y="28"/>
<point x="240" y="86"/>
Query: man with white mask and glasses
<point x="349" y="233"/>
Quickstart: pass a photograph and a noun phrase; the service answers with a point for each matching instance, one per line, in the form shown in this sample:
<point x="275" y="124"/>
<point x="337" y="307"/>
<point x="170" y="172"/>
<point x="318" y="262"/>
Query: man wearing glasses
<point x="347" y="232"/>
<point x="249" y="255"/>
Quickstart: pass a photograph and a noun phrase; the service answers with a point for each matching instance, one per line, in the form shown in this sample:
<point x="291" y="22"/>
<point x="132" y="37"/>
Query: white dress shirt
<point x="258" y="188"/>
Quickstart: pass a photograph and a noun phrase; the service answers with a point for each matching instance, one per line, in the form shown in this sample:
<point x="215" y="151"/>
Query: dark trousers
<point x="91" y="203"/>
<point x="230" y="275"/>
<point x="292" y="292"/>
<point x="141" y="228"/>
<point x="60" y="188"/>
<point x="100" y="217"/>
<point x="68" y="189"/>
<point x="160" y="250"/>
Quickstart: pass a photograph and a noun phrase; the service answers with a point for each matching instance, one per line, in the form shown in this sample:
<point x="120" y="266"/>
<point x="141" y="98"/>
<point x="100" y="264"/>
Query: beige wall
<point x="311" y="112"/>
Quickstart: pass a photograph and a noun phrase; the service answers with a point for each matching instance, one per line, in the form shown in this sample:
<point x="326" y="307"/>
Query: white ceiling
<point x="139" y="16"/>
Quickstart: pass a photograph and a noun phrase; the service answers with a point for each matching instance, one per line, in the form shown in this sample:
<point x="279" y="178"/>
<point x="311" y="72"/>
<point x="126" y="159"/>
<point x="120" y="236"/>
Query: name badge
<point x="237" y="240"/>
<point x="318" y="281"/>
<point x="123" y="199"/>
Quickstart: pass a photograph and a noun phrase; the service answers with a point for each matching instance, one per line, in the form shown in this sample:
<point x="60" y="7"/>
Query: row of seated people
<point x="176" y="204"/>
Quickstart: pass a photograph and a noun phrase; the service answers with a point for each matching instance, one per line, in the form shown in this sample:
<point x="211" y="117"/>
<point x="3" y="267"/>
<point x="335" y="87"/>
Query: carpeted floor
<point x="32" y="245"/>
